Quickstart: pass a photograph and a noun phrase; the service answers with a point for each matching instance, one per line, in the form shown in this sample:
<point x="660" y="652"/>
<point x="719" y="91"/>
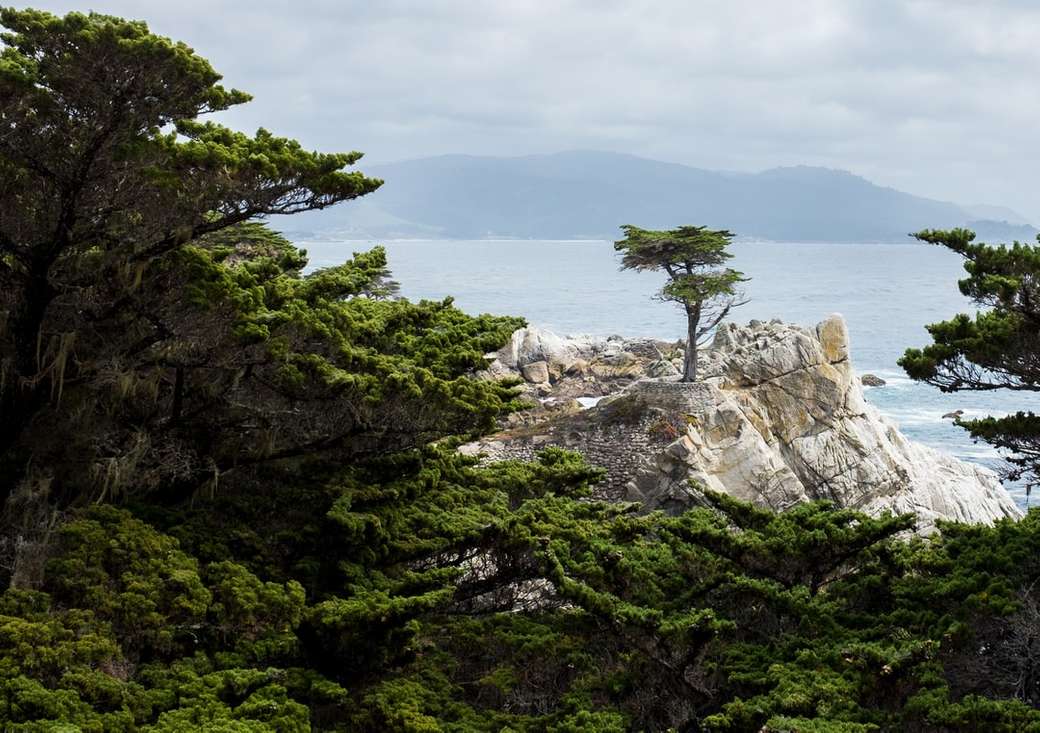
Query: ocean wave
<point x="977" y="455"/>
<point x="893" y="379"/>
<point x="915" y="416"/>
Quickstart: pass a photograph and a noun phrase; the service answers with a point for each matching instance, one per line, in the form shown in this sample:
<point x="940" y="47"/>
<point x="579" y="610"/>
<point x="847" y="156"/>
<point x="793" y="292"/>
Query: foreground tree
<point x="151" y="339"/>
<point x="997" y="348"/>
<point x="693" y="257"/>
<point x="159" y="347"/>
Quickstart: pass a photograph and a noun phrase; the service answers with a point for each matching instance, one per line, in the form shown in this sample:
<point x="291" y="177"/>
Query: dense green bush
<point x="728" y="619"/>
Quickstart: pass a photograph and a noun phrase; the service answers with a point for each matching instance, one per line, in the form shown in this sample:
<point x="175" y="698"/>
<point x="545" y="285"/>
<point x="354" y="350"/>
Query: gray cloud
<point x="936" y="97"/>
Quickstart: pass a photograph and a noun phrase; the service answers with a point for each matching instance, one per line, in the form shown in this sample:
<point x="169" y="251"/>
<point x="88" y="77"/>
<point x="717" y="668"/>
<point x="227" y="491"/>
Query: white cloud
<point x="937" y="97"/>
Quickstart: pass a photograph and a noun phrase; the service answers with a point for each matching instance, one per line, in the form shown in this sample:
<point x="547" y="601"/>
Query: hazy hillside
<point x="590" y="194"/>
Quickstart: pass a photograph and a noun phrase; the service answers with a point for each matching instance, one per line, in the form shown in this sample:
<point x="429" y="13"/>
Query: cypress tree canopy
<point x="152" y="339"/>
<point x="996" y="348"/>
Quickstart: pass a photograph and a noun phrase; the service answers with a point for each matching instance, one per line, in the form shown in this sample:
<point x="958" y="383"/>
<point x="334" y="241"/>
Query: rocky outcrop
<point x="778" y="419"/>
<point x="558" y="369"/>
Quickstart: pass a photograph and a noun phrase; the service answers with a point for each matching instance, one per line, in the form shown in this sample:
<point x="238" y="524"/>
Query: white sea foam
<point x="587" y="402"/>
<point x="914" y="416"/>
<point x="975" y="454"/>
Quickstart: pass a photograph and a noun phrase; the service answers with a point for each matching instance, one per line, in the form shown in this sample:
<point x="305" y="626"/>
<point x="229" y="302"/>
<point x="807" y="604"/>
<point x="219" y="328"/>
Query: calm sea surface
<point x="887" y="293"/>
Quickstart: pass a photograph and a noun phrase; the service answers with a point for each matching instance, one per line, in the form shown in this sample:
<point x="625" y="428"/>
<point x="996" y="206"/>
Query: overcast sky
<point x="938" y="98"/>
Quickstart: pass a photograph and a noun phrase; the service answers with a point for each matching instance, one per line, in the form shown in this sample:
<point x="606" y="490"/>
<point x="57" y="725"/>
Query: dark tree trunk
<point x="21" y="397"/>
<point x="178" y="395"/>
<point x="693" y="318"/>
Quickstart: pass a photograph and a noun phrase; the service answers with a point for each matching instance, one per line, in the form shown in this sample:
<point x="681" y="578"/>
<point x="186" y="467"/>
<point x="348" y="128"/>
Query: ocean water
<point x="886" y="292"/>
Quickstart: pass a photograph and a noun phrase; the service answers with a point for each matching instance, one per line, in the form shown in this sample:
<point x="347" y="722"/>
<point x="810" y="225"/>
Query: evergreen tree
<point x="692" y="257"/>
<point x="151" y="335"/>
<point x="997" y="348"/>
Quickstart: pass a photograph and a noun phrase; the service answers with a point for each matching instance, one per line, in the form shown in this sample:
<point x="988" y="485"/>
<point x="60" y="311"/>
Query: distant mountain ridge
<point x="589" y="194"/>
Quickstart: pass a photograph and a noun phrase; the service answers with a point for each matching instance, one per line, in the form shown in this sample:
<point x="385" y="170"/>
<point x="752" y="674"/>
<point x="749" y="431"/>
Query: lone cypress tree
<point x="693" y="257"/>
<point x="997" y="348"/>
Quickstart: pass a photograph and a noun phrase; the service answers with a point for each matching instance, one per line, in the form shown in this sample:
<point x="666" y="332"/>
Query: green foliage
<point x="256" y="247"/>
<point x="674" y="249"/>
<point x="134" y="660"/>
<point x="116" y="202"/>
<point x="997" y="348"/>
<point x="132" y="577"/>
<point x="732" y="617"/>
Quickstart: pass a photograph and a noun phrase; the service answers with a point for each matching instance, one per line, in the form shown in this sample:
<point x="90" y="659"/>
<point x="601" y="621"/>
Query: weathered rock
<point x="661" y="368"/>
<point x="614" y="372"/>
<point x="536" y="372"/>
<point x="798" y="396"/>
<point x="872" y="380"/>
<point x="779" y="419"/>
<point x="834" y="338"/>
<point x="647" y="349"/>
<point x="620" y="359"/>
<point x="563" y="406"/>
<point x="529" y="345"/>
<point x="578" y="367"/>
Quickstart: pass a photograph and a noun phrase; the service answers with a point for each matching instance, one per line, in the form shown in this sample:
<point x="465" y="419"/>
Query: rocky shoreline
<point x="778" y="419"/>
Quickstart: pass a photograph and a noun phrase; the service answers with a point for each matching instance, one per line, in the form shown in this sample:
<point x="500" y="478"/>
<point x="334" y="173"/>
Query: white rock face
<point x="778" y="419"/>
<point x="530" y="345"/>
<point x="782" y="419"/>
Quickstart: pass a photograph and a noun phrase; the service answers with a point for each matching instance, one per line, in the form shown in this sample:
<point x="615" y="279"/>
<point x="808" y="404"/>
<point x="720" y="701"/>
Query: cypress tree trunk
<point x="20" y="396"/>
<point x="693" y="317"/>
